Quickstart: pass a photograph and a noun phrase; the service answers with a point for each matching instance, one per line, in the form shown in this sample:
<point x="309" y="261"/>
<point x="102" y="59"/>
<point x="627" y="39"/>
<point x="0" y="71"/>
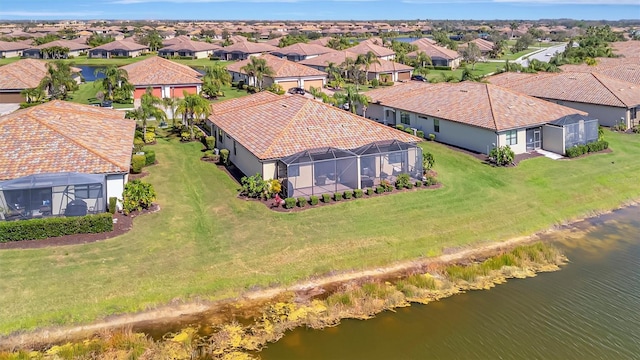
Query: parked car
<point x="418" y="78"/>
<point x="107" y="104"/>
<point x="296" y="90"/>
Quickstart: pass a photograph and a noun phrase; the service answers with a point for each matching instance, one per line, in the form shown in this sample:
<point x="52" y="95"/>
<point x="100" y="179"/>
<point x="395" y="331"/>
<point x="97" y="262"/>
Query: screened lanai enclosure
<point x="330" y="170"/>
<point x="570" y="130"/>
<point x="54" y="194"/>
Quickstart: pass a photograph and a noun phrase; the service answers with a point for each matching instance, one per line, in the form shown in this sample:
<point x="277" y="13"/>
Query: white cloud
<point x="49" y="14"/>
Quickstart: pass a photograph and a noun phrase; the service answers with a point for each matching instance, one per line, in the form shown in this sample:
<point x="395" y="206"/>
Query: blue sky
<point x="319" y="9"/>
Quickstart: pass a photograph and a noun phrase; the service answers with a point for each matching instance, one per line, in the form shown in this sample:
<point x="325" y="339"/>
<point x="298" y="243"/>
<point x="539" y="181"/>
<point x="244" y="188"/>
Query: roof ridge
<point x="597" y="75"/>
<point x="43" y="123"/>
<point x="493" y="116"/>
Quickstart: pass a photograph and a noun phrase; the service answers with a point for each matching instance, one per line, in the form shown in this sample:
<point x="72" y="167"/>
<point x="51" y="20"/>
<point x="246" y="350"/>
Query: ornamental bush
<point x="420" y="134"/>
<point x="137" y="163"/>
<point x="302" y="201"/>
<point x="150" y="157"/>
<point x="358" y="193"/>
<point x="210" y="142"/>
<point x="418" y="183"/>
<point x="348" y="194"/>
<point x="337" y="196"/>
<point x="149" y="137"/>
<point x="370" y="191"/>
<point x="254" y="186"/>
<point x="313" y="200"/>
<point x="326" y="198"/>
<point x="289" y="203"/>
<point x="113" y="204"/>
<point x="402" y="181"/>
<point x="400" y="127"/>
<point x="137" y="195"/>
<point x="56" y="226"/>
<point x="502" y="155"/>
<point x="224" y="156"/>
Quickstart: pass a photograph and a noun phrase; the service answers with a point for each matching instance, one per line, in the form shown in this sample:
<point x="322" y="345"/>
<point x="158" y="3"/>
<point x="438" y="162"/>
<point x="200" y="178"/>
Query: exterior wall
<point x="115" y="186"/>
<point x="201" y="54"/>
<point x="11" y="97"/>
<point x="269" y="169"/>
<point x="520" y="147"/>
<point x="98" y="54"/>
<point x="242" y="158"/>
<point x="553" y="139"/>
<point x="606" y="115"/>
<point x="374" y="112"/>
<point x="305" y="177"/>
<point x="457" y="134"/>
<point x="10" y="54"/>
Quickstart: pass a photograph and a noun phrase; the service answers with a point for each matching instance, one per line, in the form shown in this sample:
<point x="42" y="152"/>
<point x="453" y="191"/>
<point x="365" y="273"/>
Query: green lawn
<point x="481" y="68"/>
<point x="86" y="95"/>
<point x="207" y="244"/>
<point x="83" y="60"/>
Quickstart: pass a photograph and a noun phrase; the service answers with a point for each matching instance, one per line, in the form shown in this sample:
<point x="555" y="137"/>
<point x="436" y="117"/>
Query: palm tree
<point x="315" y="92"/>
<point x="258" y="69"/>
<point x="513" y="26"/>
<point x="214" y="79"/>
<point x="58" y="80"/>
<point x="171" y="104"/>
<point x="332" y="70"/>
<point x="422" y="59"/>
<point x="351" y="97"/>
<point x="33" y="95"/>
<point x="149" y="106"/>
<point x="351" y="69"/>
<point x="193" y="108"/>
<point x="366" y="60"/>
<point x="114" y="77"/>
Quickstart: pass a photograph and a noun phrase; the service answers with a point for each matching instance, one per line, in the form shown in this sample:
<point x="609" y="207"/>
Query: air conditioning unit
<point x="415" y="131"/>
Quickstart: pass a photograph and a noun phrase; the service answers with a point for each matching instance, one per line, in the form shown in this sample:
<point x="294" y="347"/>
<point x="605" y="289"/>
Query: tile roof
<point x="281" y="67"/>
<point x="483" y="105"/>
<point x="336" y="57"/>
<point x="24" y="74"/>
<point x="588" y="88"/>
<point x="434" y="51"/>
<point x="303" y="49"/>
<point x="321" y="41"/>
<point x="364" y="47"/>
<point x="247" y="47"/>
<point x="12" y="46"/>
<point x="629" y="72"/>
<point x="291" y="124"/>
<point x="159" y="71"/>
<point x="121" y="45"/>
<point x="629" y="48"/>
<point x="71" y="45"/>
<point x="388" y="66"/>
<point x="190" y="45"/>
<point x="242" y="102"/>
<point x="60" y="136"/>
<point x="176" y="40"/>
<point x="483" y="45"/>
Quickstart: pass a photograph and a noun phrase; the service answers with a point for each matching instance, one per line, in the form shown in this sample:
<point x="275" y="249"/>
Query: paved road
<point x="545" y="55"/>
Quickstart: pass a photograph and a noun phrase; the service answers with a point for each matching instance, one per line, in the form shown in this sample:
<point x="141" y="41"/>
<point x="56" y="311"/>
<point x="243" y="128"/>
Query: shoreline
<point x="186" y="311"/>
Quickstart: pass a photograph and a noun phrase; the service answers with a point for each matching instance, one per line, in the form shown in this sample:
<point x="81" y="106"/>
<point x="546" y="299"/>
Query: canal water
<point x="88" y="72"/>
<point x="588" y="310"/>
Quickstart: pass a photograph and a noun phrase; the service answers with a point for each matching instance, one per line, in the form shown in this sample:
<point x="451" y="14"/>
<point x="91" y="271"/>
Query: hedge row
<point x="51" y="227"/>
<point x="578" y="150"/>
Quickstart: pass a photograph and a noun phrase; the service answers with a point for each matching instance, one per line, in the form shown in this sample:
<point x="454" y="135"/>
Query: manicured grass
<point x="86" y="94"/>
<point x="511" y="56"/>
<point x="481" y="68"/>
<point x="230" y="92"/>
<point x="83" y="60"/>
<point x="206" y="243"/>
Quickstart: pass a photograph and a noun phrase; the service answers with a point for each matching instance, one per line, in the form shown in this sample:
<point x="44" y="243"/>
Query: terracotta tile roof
<point x="588" y="88"/>
<point x="291" y="124"/>
<point x="60" y="136"/>
<point x="190" y="45"/>
<point x="176" y="40"/>
<point x="273" y="42"/>
<point x="121" y="45"/>
<point x="303" y="49"/>
<point x="434" y="51"/>
<point x="483" y="45"/>
<point x="281" y="67"/>
<point x="624" y="71"/>
<point x="71" y="45"/>
<point x="629" y="48"/>
<point x="365" y="47"/>
<point x="242" y="102"/>
<point x="336" y="57"/>
<point x="388" y="66"/>
<point x="321" y="41"/>
<point x="423" y="42"/>
<point x="12" y="46"/>
<point x="159" y="71"/>
<point x="247" y="47"/>
<point x="483" y="105"/>
<point x="24" y="74"/>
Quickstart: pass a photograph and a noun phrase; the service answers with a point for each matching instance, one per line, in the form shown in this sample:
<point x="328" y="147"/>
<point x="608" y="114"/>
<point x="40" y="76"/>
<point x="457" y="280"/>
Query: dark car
<point x="418" y="78"/>
<point x="296" y="90"/>
<point x="107" y="104"/>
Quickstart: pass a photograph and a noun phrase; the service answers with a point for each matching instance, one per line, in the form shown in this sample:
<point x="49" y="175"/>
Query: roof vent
<point x="572" y="77"/>
<point x="463" y="90"/>
<point x="285" y="105"/>
<point x="511" y="106"/>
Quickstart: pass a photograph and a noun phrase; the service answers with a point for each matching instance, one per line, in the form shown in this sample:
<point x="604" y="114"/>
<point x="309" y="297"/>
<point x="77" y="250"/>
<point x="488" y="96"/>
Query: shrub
<point x="210" y="142"/>
<point x="113" y="204"/>
<point x="386" y="83"/>
<point x="185" y="136"/>
<point x="137" y="163"/>
<point x="400" y="127"/>
<point x="313" y="200"/>
<point x="137" y="195"/>
<point x="386" y="185"/>
<point x="430" y="180"/>
<point x="402" y="181"/>
<point x="432" y="137"/>
<point x="358" y="193"/>
<point x="375" y="83"/>
<point x="302" y="201"/>
<point x="418" y="183"/>
<point x="150" y="157"/>
<point x="138" y="144"/>
<point x="57" y="226"/>
<point x="149" y="137"/>
<point x="370" y="191"/>
<point x="409" y="185"/>
<point x="348" y="194"/>
<point x="224" y="156"/>
<point x="379" y="190"/>
<point x="337" y="196"/>
<point x="326" y="198"/>
<point x="502" y="155"/>
<point x="427" y="161"/>
<point x="138" y="135"/>
<point x="289" y="203"/>
<point x="254" y="186"/>
<point x="408" y="130"/>
<point x="420" y="134"/>
<point x="578" y="150"/>
<point x="273" y="187"/>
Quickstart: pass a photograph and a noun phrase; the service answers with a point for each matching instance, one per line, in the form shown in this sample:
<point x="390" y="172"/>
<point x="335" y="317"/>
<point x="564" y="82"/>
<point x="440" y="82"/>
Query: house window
<point x="293" y="170"/>
<point x="92" y="191"/>
<point x="405" y="118"/>
<point x="512" y="137"/>
<point x="235" y="152"/>
<point x="436" y="125"/>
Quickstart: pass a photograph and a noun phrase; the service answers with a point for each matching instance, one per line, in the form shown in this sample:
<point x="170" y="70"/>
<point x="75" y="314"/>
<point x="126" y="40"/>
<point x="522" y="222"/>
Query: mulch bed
<point x="121" y="226"/>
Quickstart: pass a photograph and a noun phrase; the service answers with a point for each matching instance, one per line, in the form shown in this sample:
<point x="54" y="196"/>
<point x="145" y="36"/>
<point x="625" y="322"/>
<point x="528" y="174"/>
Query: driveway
<point x="8" y="108"/>
<point x="544" y="55"/>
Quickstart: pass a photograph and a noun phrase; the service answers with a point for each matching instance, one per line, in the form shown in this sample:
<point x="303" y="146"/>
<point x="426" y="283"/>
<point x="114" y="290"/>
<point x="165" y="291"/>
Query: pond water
<point x="588" y="310"/>
<point x="88" y="72"/>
